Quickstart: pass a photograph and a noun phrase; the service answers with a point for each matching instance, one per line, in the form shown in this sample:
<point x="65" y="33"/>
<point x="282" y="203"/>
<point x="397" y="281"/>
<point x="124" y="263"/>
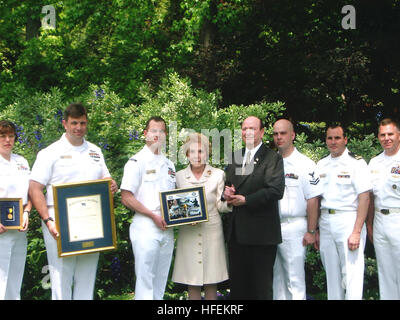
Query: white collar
<point x="68" y="146"/>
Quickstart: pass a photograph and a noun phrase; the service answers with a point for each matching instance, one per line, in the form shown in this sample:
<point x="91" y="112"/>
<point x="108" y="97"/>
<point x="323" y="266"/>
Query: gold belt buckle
<point x="331" y="211"/>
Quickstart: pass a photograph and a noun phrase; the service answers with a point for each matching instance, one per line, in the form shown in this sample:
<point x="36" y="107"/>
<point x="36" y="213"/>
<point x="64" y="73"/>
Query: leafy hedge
<point x="116" y="126"/>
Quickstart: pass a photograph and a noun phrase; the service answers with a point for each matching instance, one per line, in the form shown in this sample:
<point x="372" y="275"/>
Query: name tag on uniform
<point x="150" y="171"/>
<point x="66" y="157"/>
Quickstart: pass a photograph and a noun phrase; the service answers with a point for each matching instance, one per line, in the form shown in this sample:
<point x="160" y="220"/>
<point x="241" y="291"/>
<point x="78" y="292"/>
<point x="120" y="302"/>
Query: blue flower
<point x="133" y="135"/>
<point x="19" y="131"/>
<point x="379" y="116"/>
<point x="38" y="135"/>
<point x="104" y="145"/>
<point x="116" y="268"/>
<point x="99" y="93"/>
<point x="59" y="115"/>
<point x="39" y="119"/>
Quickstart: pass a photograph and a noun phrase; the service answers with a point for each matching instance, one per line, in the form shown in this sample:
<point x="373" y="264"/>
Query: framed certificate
<point x="11" y="213"/>
<point x="84" y="213"/>
<point x="184" y="206"/>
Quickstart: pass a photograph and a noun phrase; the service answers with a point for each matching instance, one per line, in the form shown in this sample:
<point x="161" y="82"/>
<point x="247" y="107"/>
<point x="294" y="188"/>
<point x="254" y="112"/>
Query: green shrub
<point x="117" y="127"/>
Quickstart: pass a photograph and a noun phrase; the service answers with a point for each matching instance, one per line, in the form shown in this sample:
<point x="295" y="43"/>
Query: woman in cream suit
<point x="200" y="255"/>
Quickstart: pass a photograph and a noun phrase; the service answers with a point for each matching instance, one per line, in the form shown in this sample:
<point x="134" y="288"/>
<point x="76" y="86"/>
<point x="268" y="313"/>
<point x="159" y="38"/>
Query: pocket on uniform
<point x="292" y="186"/>
<point x="343" y="180"/>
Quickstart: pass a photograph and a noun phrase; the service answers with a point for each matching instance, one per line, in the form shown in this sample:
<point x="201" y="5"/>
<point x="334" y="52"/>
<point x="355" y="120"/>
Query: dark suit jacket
<point x="257" y="222"/>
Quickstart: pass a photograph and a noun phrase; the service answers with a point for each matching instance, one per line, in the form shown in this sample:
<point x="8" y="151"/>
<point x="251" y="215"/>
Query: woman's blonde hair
<point x="196" y="137"/>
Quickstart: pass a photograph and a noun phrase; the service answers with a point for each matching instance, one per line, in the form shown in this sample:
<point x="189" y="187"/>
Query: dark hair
<point x="335" y="125"/>
<point x="388" y="121"/>
<point x="75" y="110"/>
<point x="7" y="127"/>
<point x="156" y="119"/>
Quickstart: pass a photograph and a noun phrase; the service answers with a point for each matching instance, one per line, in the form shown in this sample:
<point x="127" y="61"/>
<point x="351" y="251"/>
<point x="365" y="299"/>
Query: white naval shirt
<point x="301" y="184"/>
<point x="61" y="162"/>
<point x="145" y="175"/>
<point x="14" y="178"/>
<point x="385" y="173"/>
<point x="343" y="178"/>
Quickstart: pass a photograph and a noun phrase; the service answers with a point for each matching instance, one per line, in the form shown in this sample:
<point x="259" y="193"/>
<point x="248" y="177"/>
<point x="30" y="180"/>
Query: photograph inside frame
<point x="184" y="205"/>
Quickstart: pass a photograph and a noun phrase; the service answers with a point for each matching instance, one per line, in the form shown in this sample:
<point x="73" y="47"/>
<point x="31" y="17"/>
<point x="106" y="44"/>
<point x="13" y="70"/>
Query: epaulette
<point x="353" y="155"/>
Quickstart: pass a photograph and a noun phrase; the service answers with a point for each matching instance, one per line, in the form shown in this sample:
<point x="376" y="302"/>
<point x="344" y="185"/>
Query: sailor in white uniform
<point x="346" y="184"/>
<point x="298" y="211"/>
<point x="384" y="215"/>
<point x="14" y="182"/>
<point x="70" y="159"/>
<point x="146" y="174"/>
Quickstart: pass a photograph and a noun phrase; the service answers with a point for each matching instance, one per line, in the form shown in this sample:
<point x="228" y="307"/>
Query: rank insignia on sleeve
<point x="314" y="180"/>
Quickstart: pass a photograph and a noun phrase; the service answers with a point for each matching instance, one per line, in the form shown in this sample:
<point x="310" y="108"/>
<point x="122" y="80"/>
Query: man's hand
<point x="51" y="225"/>
<point x="354" y="241"/>
<point x="114" y="187"/>
<point x="308" y="239"/>
<point x="160" y="222"/>
<point x="237" y="200"/>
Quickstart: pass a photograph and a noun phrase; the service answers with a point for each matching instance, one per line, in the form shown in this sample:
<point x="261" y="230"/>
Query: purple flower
<point x="20" y="134"/>
<point x="99" y="93"/>
<point x="116" y="268"/>
<point x="133" y="135"/>
<point x="38" y="135"/>
<point x="104" y="145"/>
<point x="59" y="115"/>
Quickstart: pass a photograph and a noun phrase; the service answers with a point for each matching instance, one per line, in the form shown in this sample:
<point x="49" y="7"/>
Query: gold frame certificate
<point x="84" y="213"/>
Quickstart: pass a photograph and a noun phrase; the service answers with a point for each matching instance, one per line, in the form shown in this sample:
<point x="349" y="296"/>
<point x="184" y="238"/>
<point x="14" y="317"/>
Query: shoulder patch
<point x="353" y="155"/>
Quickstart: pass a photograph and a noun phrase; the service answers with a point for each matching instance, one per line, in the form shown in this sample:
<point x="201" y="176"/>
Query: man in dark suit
<point x="254" y="183"/>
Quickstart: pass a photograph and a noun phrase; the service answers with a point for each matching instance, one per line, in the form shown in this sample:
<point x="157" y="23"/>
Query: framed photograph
<point x="184" y="206"/>
<point x="84" y="213"/>
<point x="11" y="213"/>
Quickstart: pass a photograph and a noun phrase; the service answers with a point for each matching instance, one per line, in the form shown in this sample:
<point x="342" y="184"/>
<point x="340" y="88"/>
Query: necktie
<point x="247" y="161"/>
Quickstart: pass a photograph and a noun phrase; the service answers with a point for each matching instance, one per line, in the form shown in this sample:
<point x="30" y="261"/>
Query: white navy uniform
<point x="301" y="184"/>
<point x="61" y="162"/>
<point x="14" y="183"/>
<point x="145" y="175"/>
<point x="385" y="172"/>
<point x="343" y="178"/>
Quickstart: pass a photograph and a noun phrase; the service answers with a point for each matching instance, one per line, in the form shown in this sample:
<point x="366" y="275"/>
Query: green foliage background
<point x="117" y="127"/>
<point x="201" y="65"/>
